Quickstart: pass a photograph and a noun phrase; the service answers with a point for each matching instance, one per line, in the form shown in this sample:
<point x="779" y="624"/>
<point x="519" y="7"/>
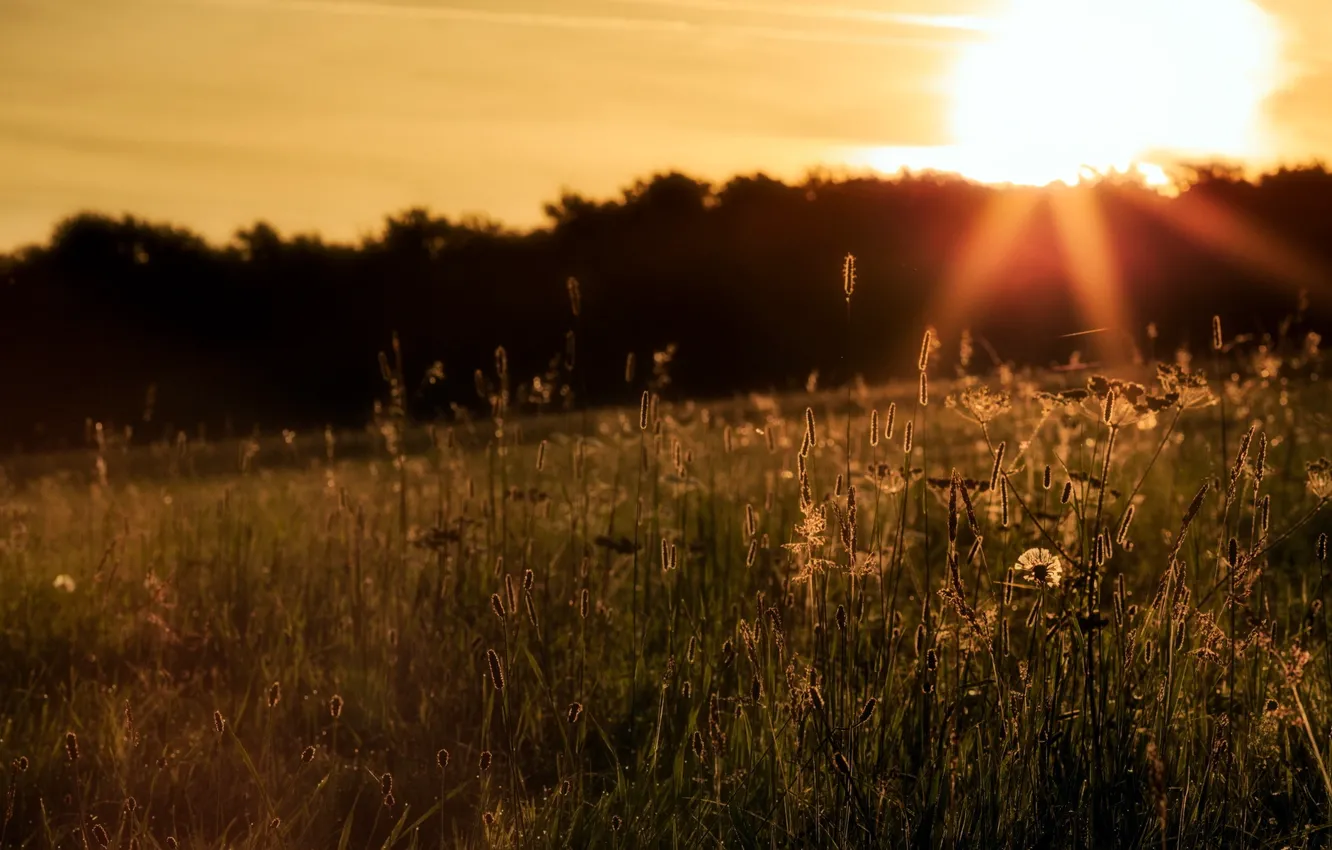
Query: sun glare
<point x="1063" y="86"/>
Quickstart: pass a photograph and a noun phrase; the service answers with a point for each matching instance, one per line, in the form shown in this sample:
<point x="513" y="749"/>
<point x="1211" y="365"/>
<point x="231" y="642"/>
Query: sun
<point x="1061" y="86"/>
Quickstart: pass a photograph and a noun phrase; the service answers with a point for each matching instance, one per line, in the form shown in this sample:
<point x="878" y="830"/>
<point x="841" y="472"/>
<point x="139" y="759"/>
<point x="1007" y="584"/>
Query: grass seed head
<point x="486" y="760"/>
<point x="996" y="469"/>
<point x="952" y="508"/>
<point x="71" y="746"/>
<point x="575" y="296"/>
<point x="307" y="755"/>
<point x="529" y="606"/>
<point x="1121" y="536"/>
<point x="496" y="669"/>
<point x="335" y="706"/>
<point x="866" y="711"/>
<point x="1260" y="458"/>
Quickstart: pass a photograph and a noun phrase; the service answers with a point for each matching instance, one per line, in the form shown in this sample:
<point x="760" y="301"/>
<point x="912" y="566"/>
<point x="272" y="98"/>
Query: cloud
<point x="615" y="23"/>
<point x="966" y="23"/>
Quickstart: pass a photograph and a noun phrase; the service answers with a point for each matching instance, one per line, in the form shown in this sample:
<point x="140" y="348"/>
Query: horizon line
<point x="831" y="174"/>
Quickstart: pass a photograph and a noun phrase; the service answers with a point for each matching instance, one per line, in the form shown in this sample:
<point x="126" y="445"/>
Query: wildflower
<point x="1187" y="390"/>
<point x="1319" y="474"/>
<point x="1041" y="566"/>
<point x="979" y="404"/>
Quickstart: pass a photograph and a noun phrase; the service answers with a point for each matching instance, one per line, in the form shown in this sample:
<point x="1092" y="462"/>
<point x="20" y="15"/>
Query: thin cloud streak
<point x="603" y="23"/>
<point x="967" y="23"/>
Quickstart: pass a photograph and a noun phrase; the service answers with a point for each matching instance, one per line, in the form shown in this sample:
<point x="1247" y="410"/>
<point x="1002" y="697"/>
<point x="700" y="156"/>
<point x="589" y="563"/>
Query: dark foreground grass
<point x="1073" y="613"/>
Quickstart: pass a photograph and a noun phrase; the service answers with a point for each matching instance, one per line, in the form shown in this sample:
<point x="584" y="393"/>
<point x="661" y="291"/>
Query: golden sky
<point x="327" y="114"/>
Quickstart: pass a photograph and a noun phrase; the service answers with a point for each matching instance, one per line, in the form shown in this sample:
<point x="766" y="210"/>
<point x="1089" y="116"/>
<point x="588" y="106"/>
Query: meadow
<point x="996" y="606"/>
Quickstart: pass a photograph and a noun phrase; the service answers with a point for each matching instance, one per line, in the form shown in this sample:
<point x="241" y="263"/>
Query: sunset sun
<point x="1058" y="86"/>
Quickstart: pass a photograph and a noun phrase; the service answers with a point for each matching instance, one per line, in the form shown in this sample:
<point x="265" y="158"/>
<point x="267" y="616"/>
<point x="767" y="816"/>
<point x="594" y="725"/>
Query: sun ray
<point x="1207" y="222"/>
<point x="986" y="248"/>
<point x="1092" y="268"/>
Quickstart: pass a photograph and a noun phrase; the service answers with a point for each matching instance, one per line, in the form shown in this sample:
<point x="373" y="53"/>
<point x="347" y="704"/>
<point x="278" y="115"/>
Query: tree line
<point x="132" y="322"/>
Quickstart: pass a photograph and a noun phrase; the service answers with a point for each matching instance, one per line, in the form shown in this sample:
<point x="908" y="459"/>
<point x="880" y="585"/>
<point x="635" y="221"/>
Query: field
<point x="1017" y="609"/>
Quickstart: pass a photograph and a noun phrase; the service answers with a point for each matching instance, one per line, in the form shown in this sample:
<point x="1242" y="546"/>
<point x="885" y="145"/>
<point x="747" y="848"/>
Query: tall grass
<point x="1051" y="613"/>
